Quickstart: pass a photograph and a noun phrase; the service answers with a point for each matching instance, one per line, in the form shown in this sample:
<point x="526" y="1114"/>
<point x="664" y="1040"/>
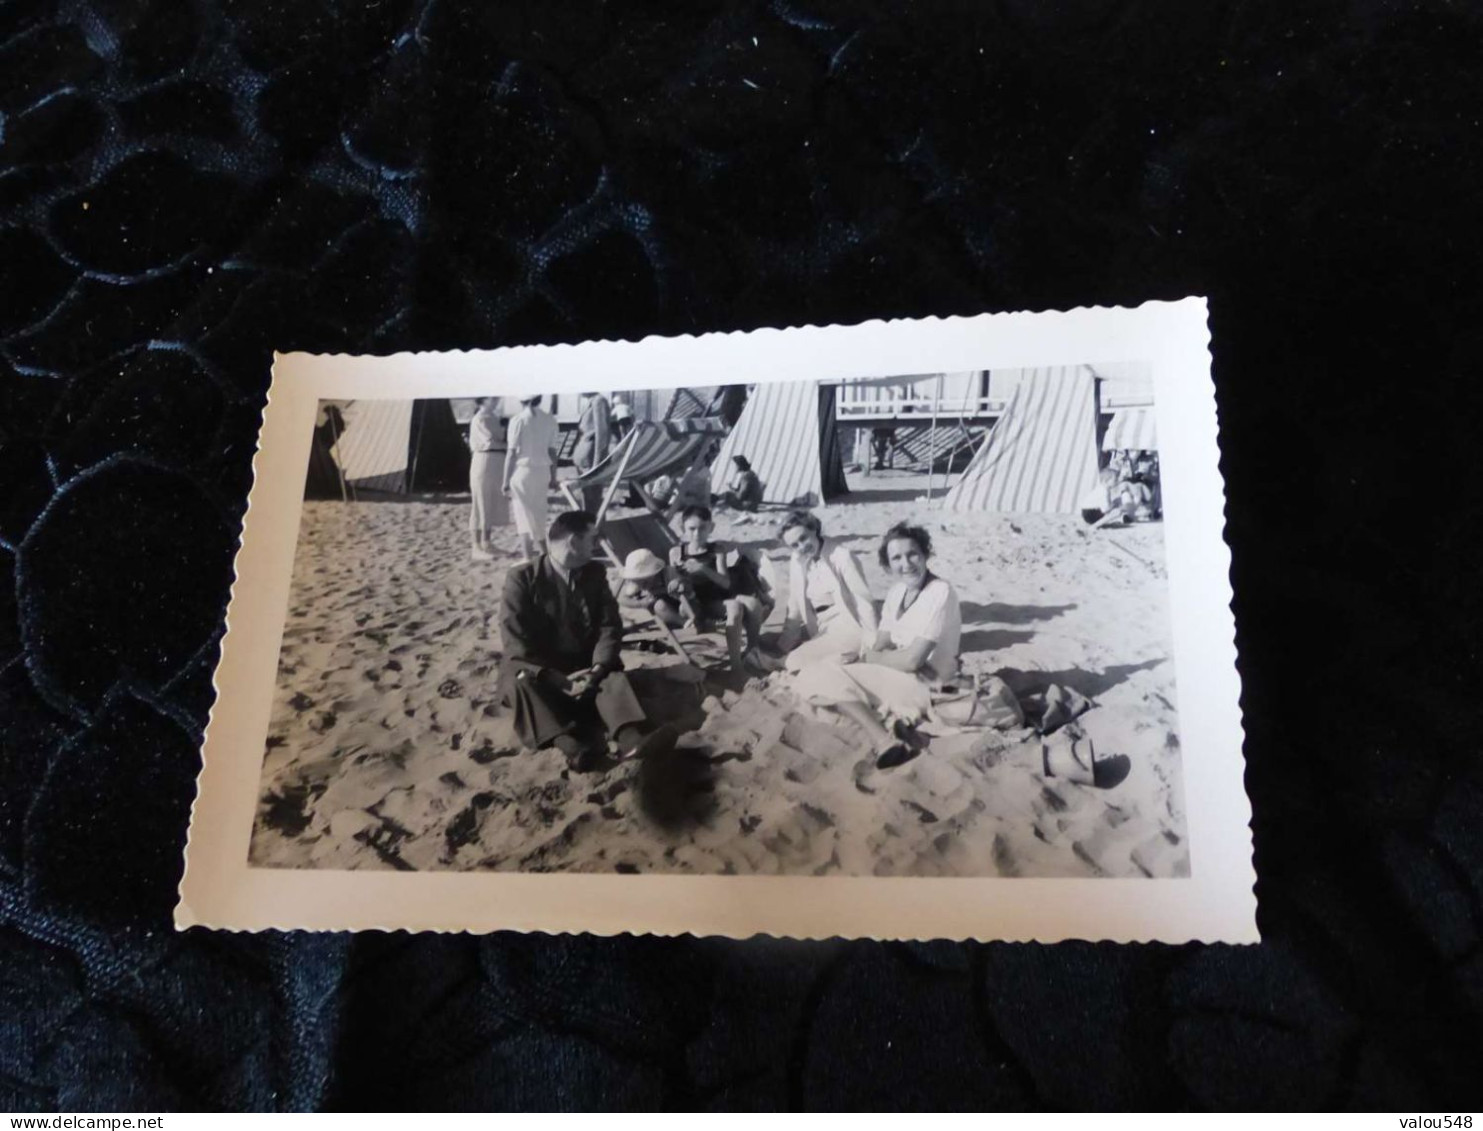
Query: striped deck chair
<point x="652" y="449"/>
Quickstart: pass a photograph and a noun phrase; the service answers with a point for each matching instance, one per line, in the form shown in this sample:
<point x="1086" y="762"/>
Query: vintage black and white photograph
<point x="891" y="625"/>
<point x="907" y="625"/>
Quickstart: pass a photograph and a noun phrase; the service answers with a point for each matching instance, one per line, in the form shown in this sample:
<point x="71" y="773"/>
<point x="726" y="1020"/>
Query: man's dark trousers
<point x="553" y="626"/>
<point x="543" y="712"/>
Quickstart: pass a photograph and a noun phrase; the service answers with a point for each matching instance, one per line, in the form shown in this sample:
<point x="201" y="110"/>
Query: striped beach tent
<point x="400" y="446"/>
<point x="1132" y="429"/>
<point x="1041" y="455"/>
<point x="372" y="449"/>
<point x="790" y="436"/>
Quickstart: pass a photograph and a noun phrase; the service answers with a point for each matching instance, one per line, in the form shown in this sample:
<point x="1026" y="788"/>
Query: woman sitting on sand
<point x="744" y="492"/>
<point x="1115" y="499"/>
<point x="830" y="611"/>
<point x="888" y="689"/>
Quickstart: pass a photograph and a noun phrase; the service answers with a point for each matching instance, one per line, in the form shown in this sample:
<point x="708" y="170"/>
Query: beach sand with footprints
<point x="387" y="748"/>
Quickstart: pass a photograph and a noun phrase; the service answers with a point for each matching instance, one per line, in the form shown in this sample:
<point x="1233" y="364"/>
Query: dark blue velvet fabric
<point x="185" y="186"/>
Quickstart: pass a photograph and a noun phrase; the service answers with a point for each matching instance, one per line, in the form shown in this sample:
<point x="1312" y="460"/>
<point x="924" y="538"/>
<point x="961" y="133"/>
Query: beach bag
<point x="988" y="703"/>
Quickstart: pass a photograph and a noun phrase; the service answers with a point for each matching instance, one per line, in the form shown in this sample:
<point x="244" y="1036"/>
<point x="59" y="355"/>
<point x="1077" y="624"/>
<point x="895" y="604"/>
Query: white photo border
<point x="1216" y="902"/>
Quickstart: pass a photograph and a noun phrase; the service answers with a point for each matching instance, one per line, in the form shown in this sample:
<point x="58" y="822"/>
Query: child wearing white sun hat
<point x="643" y="580"/>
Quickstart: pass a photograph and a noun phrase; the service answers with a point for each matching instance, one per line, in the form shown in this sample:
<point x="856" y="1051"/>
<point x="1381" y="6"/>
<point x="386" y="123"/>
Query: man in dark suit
<point x="562" y="673"/>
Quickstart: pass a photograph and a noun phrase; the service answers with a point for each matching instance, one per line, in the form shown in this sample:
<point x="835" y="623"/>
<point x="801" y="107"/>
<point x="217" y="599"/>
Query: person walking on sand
<point x="530" y="471"/>
<point x="562" y="675"/>
<point x="830" y="611"/>
<point x="594" y="440"/>
<point x="490" y="508"/>
<point x="887" y="688"/>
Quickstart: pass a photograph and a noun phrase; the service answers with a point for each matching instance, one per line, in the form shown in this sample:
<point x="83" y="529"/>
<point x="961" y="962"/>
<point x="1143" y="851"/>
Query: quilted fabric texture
<point x="186" y="186"/>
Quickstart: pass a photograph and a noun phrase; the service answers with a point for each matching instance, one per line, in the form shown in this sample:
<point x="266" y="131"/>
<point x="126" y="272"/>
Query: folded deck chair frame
<point x="650" y="450"/>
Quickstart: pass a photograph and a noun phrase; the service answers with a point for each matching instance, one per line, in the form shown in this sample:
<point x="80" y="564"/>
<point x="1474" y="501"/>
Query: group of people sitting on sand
<point x="562" y="626"/>
<point x="1127" y="490"/>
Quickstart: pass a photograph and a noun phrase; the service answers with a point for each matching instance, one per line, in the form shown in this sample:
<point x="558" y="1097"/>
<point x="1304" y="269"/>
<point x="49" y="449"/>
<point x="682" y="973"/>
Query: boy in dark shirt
<point x="711" y="581"/>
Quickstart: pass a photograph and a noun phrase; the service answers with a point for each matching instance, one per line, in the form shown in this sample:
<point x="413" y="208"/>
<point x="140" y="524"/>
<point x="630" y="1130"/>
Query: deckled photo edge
<point x="1206" y="906"/>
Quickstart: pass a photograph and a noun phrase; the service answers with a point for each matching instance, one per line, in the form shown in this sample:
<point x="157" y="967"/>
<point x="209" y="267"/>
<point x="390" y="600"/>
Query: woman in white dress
<point x="830" y="610"/>
<point x="887" y="689"/>
<point x="530" y="471"/>
<point x="486" y="470"/>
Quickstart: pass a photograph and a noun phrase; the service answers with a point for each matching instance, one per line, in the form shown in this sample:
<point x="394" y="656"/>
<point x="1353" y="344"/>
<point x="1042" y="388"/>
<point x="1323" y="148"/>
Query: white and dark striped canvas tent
<point x="1041" y="455"/>
<point x="372" y="450"/>
<point x="1133" y="429"/>
<point x="400" y="446"/>
<point x="790" y="436"/>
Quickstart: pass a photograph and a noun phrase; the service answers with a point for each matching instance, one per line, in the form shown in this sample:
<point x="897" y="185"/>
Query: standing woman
<point x="486" y="470"/>
<point x="830" y="611"/>
<point x="887" y="690"/>
<point x="530" y="471"/>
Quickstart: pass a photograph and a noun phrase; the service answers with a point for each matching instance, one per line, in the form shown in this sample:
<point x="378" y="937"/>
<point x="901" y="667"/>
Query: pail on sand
<point x="1068" y="754"/>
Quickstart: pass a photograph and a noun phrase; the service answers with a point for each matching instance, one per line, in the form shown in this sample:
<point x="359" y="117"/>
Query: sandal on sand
<point x="897" y="754"/>
<point x="901" y="729"/>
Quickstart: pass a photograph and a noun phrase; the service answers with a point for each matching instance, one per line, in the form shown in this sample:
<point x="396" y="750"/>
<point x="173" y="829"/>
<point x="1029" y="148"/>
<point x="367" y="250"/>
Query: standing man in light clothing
<point x="530" y="471"/>
<point x="594" y="441"/>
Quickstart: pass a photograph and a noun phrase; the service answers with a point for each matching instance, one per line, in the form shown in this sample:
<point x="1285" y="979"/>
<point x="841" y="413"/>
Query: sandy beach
<point x="387" y="748"/>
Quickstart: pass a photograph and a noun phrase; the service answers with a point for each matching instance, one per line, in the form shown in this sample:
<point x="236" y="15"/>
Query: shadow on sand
<point x="992" y="639"/>
<point x="1090" y="684"/>
<point x="859" y="495"/>
<point x="1011" y="614"/>
<point x="978" y="637"/>
<point x="676" y="788"/>
<point x="1110" y="770"/>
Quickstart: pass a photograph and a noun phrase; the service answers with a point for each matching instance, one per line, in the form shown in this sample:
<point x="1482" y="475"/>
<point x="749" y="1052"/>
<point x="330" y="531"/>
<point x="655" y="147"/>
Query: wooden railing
<point x="887" y="403"/>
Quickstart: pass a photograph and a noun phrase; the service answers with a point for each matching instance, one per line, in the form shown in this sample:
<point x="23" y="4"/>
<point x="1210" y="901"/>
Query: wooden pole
<point x="932" y="443"/>
<point x="631" y="441"/>
<point x="339" y="471"/>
